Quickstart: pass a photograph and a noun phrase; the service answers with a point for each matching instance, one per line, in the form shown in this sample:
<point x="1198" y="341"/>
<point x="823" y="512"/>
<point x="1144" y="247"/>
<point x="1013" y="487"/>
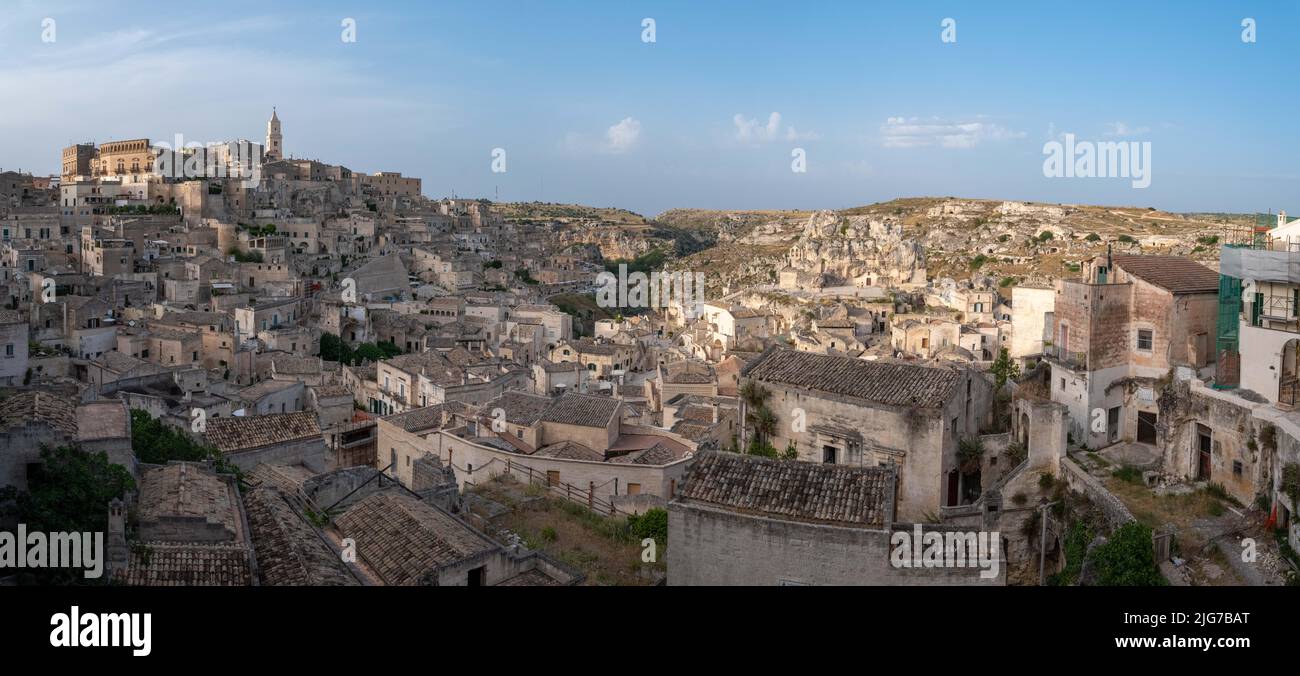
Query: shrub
<point x="970" y="452"/>
<point x="549" y="534"/>
<point x="1128" y="559"/>
<point x="652" y="524"/>
<point x="1129" y="474"/>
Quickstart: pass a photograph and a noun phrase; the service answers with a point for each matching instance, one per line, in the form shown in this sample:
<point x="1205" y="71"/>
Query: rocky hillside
<point x="1008" y="241"/>
<point x="618" y="234"/>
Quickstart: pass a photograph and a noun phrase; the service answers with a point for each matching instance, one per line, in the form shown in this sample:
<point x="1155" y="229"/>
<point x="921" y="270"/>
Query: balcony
<point x="1075" y="361"/>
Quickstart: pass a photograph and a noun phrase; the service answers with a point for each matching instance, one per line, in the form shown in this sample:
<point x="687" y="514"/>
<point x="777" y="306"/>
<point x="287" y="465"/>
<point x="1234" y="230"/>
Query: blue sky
<point x="587" y="112"/>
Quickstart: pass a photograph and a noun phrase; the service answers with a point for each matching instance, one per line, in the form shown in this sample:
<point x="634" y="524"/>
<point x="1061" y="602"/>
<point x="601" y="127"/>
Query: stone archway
<point x="1288" y="384"/>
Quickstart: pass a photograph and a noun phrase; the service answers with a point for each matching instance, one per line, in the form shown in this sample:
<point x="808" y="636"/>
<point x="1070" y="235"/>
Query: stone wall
<point x="710" y="546"/>
<point x="1080" y="481"/>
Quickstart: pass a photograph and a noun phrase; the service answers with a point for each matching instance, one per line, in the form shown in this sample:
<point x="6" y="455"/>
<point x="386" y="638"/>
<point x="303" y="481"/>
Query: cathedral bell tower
<point x="274" y="141"/>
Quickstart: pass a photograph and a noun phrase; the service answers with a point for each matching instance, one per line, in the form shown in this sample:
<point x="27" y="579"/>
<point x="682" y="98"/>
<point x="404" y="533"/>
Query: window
<point x="1236" y="468"/>
<point x="634" y="489"/>
<point x="9" y="350"/>
<point x="1144" y="340"/>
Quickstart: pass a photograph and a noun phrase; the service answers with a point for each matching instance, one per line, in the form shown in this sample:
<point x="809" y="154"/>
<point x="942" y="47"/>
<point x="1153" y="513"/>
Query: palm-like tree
<point x="764" y="423"/>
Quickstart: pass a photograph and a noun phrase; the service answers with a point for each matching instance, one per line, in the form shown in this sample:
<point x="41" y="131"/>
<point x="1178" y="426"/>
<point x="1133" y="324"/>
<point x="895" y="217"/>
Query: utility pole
<point x="1042" y="544"/>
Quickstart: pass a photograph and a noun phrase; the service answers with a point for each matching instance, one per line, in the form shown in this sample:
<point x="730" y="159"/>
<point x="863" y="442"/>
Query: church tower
<point x="274" y="141"/>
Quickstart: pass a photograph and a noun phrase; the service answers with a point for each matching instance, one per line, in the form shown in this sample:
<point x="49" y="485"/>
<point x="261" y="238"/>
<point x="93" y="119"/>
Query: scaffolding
<point x="1275" y="300"/>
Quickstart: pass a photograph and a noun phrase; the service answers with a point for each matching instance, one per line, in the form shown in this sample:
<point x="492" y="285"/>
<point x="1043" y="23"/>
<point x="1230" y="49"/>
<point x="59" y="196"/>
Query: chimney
<point x="116" y="549"/>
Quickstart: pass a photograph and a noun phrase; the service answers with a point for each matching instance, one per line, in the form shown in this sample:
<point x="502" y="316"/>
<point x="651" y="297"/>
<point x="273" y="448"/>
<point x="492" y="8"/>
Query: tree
<point x="753" y="393"/>
<point x="156" y="442"/>
<point x="68" y="492"/>
<point x="764" y="423"/>
<point x="1004" y="369"/>
<point x="1128" y="559"/>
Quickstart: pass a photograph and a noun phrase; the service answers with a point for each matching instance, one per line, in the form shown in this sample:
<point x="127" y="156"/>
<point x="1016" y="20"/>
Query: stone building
<point x="877" y="414"/>
<point x="745" y="520"/>
<point x="282" y="438"/>
<point x="36" y="418"/>
<point x="1121" y="328"/>
<point x="403" y="541"/>
<point x="190" y="531"/>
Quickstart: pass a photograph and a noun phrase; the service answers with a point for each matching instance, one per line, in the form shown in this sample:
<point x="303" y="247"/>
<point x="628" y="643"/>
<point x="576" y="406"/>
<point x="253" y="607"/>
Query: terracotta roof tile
<point x="885" y="383"/>
<point x="1174" y="273"/>
<point x="243" y="433"/>
<point x="788" y="489"/>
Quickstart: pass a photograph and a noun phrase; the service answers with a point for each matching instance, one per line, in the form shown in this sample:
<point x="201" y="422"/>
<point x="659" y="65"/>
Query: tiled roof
<point x="1174" y="273"/>
<point x="585" y="410"/>
<point x="254" y="393"/>
<point x="242" y="433"/>
<point x="153" y="564"/>
<point x="659" y="454"/>
<point x="402" y="539"/>
<point x="419" y="419"/>
<point x="58" y="412"/>
<point x="289" y="551"/>
<point x="521" y="408"/>
<point x="792" y="490"/>
<point x="119" y="362"/>
<point x="105" y="419"/>
<point x="183" y="490"/>
<point x="891" y="384"/>
<point x="689" y="372"/>
<point x="569" y="450"/>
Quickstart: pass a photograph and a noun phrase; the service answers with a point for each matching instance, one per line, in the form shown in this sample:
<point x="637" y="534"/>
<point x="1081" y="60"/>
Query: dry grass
<point x="1182" y="511"/>
<point x="599" y="546"/>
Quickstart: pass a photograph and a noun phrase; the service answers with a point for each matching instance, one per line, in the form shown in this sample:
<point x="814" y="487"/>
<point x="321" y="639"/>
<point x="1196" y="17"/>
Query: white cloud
<point x="623" y="136"/>
<point x="619" y="138"/>
<point x="915" y="132"/>
<point x="1122" y="130"/>
<point x="750" y="130"/>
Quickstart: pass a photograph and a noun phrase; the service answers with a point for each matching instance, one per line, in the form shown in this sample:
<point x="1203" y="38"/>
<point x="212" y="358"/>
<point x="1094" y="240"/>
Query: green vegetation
<point x="1076" y="546"/>
<point x="1004" y="369"/>
<point x="1045" y="235"/>
<point x="1092" y="237"/>
<point x="652" y="524"/>
<point x="241" y="257"/>
<point x="1008" y="281"/>
<point x="978" y="261"/>
<point x="970" y="454"/>
<point x="1128" y="559"/>
<point x="1129" y="474"/>
<point x="1208" y="240"/>
<point x="143" y="210"/>
<point x="524" y="276"/>
<point x="1291" y="482"/>
<point x="156" y="442"/>
<point x="1127" y="239"/>
<point x="650" y="261"/>
<point x="258" y="230"/>
<point x="68" y="492"/>
<point x="333" y="348"/>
